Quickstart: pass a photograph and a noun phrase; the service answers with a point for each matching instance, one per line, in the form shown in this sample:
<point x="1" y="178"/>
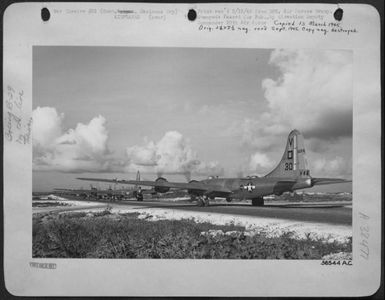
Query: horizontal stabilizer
<point x="321" y="181"/>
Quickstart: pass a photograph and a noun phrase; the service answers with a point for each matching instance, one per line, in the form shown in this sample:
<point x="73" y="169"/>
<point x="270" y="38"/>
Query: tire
<point x="229" y="200"/>
<point x="257" y="202"/>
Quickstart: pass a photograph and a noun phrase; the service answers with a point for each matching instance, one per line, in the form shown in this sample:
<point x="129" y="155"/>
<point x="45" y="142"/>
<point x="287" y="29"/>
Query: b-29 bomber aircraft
<point x="290" y="174"/>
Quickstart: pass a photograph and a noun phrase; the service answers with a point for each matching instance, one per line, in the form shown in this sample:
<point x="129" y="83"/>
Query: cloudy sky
<point x="187" y="112"/>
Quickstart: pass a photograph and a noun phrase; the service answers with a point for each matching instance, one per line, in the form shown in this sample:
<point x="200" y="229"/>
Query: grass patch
<point x="68" y="236"/>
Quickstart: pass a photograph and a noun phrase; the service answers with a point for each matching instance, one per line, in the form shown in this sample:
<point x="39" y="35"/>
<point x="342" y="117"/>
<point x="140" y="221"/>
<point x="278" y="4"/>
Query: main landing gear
<point x="203" y="201"/>
<point x="257" y="201"/>
<point x="139" y="197"/>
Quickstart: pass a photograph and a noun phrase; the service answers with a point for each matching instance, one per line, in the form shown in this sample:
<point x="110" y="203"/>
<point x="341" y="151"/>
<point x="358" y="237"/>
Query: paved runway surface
<point x="59" y="209"/>
<point x="330" y="213"/>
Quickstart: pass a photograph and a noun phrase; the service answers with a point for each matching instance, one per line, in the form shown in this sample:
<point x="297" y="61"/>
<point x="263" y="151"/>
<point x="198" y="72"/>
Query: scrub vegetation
<point x="106" y="235"/>
<point x="48" y="204"/>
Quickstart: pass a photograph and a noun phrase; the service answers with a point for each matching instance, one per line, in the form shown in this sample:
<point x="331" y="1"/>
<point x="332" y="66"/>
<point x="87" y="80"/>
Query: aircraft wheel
<point x="229" y="199"/>
<point x="200" y="202"/>
<point x="206" y="201"/>
<point x="257" y="202"/>
<point x="139" y="197"/>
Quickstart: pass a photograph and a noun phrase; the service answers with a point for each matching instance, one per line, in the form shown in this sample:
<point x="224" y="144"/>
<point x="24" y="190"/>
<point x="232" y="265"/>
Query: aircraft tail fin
<point x="293" y="163"/>
<point x="137" y="179"/>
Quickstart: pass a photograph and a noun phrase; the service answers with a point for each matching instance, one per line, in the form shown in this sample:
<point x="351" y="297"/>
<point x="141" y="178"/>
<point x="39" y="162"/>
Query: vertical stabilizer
<point x="293" y="163"/>
<point x="137" y="179"/>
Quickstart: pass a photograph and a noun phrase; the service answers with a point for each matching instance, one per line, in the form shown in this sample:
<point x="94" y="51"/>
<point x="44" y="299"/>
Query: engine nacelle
<point x="161" y="189"/>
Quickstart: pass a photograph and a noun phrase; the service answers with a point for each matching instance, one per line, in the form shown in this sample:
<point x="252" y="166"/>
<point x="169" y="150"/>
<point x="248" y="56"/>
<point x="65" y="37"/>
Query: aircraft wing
<point x="72" y="191"/>
<point x="321" y="181"/>
<point x="85" y="191"/>
<point x="196" y="186"/>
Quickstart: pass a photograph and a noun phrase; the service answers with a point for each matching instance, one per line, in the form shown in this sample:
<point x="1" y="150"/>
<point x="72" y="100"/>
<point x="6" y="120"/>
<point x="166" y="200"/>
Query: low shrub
<point x="128" y="237"/>
<point x="106" y="211"/>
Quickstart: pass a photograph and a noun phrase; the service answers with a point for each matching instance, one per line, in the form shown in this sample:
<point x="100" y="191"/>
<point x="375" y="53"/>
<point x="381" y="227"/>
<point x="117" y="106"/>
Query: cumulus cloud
<point x="259" y="133"/>
<point x="76" y="150"/>
<point x="261" y="163"/>
<point x="313" y="94"/>
<point x="172" y="154"/>
<point x="334" y="167"/>
<point x="85" y="149"/>
<point x="314" y="91"/>
<point x="46" y="126"/>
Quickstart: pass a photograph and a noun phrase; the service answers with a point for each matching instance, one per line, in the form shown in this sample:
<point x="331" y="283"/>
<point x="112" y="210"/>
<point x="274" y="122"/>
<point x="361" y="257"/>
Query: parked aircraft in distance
<point x="94" y="193"/>
<point x="291" y="174"/>
<point x="110" y="194"/>
<point x="138" y="192"/>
